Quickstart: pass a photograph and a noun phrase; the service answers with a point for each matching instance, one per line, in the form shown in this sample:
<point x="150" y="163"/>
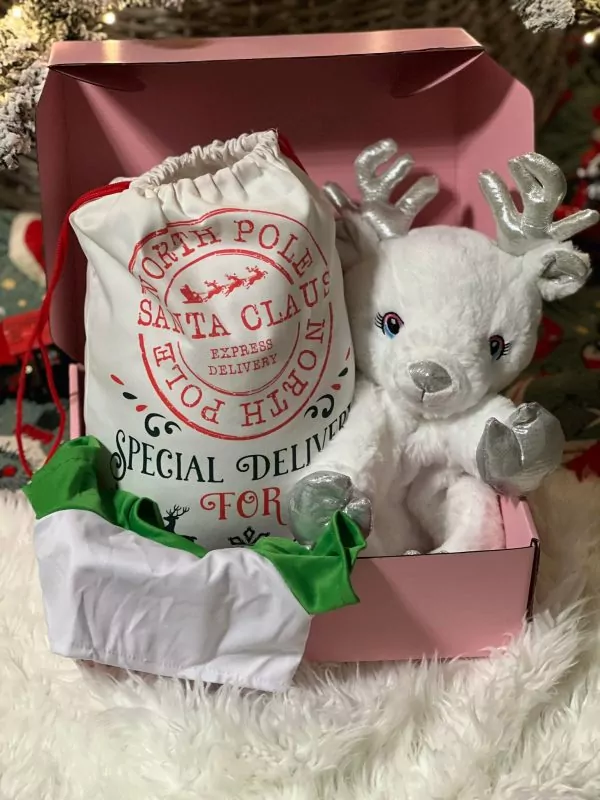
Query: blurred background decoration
<point x="552" y="46"/>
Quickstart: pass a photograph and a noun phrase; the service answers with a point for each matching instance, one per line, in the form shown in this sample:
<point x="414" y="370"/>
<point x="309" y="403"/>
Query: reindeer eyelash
<point x="389" y="323"/>
<point x="499" y="347"/>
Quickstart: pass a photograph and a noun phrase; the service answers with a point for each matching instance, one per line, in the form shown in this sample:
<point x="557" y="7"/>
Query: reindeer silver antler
<point x="387" y="219"/>
<point x="542" y="187"/>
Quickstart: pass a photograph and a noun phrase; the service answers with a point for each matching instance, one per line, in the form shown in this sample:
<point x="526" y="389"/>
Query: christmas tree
<point x="569" y="133"/>
<point x="28" y="29"/>
<point x="571" y="137"/>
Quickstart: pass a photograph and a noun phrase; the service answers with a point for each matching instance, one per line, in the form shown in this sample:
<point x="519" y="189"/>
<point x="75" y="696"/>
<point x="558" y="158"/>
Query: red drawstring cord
<point x="288" y="151"/>
<point x="44" y="314"/>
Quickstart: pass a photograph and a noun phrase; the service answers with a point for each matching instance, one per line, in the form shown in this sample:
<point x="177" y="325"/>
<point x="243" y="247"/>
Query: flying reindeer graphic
<point x="190" y="296"/>
<point x="256" y="274"/>
<point x="234" y="283"/>
<point x="214" y="287"/>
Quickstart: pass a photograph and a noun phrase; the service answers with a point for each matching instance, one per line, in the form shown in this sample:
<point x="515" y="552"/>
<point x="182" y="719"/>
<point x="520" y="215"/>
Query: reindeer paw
<point x="514" y="458"/>
<point x="317" y="497"/>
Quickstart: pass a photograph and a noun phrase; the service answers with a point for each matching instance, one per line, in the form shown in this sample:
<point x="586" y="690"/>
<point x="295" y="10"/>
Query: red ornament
<point x="591" y="355"/>
<point x="15" y="332"/>
<point x="586" y="464"/>
<point x="25" y="246"/>
<point x="551" y="335"/>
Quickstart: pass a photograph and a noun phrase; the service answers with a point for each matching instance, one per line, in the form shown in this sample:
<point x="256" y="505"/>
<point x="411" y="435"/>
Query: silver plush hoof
<point x="515" y="458"/>
<point x="317" y="497"/>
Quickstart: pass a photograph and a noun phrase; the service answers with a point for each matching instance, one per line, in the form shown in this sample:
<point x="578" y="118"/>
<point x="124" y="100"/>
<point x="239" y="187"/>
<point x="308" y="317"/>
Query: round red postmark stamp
<point x="234" y="321"/>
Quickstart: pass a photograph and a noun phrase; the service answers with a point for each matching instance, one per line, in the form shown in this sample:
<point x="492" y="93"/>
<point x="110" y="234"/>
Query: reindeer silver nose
<point x="429" y="377"/>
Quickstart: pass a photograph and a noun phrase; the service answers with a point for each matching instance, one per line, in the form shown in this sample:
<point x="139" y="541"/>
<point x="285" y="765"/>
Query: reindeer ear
<point x="560" y="271"/>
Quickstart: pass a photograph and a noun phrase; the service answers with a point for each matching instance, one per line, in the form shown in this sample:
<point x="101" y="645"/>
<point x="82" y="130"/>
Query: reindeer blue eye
<point x="498" y="347"/>
<point x="389" y="323"/>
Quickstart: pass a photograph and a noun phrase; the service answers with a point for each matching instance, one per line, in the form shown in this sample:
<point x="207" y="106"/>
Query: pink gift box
<point x="113" y="109"/>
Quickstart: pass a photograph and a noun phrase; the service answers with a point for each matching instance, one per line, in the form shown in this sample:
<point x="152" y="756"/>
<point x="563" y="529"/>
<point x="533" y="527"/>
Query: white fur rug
<point x="523" y="725"/>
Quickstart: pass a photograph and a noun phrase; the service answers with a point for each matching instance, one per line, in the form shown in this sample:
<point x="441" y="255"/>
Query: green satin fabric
<point x="79" y="477"/>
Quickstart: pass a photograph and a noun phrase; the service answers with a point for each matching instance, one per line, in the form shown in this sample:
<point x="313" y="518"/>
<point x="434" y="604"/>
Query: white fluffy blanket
<point x="524" y="724"/>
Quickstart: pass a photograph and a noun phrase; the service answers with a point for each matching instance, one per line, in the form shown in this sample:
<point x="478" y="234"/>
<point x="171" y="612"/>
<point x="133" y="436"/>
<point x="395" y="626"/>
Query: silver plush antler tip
<point x="386" y="219"/>
<point x="542" y="187"/>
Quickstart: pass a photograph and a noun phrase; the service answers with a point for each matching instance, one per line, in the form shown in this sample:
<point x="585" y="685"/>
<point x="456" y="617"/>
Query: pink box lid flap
<point x="164" y="51"/>
<point x="112" y="109"/>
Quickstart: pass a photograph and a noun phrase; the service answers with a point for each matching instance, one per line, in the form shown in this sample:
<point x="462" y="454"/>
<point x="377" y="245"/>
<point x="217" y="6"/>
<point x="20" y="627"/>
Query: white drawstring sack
<point x="218" y="354"/>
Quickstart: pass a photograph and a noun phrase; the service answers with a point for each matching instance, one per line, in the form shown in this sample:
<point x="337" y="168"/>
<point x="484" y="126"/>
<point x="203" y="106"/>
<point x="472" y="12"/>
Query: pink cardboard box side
<point x="117" y="108"/>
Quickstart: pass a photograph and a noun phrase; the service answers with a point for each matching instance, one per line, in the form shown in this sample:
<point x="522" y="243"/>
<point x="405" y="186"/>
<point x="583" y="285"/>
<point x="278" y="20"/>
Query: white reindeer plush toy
<point x="442" y="320"/>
